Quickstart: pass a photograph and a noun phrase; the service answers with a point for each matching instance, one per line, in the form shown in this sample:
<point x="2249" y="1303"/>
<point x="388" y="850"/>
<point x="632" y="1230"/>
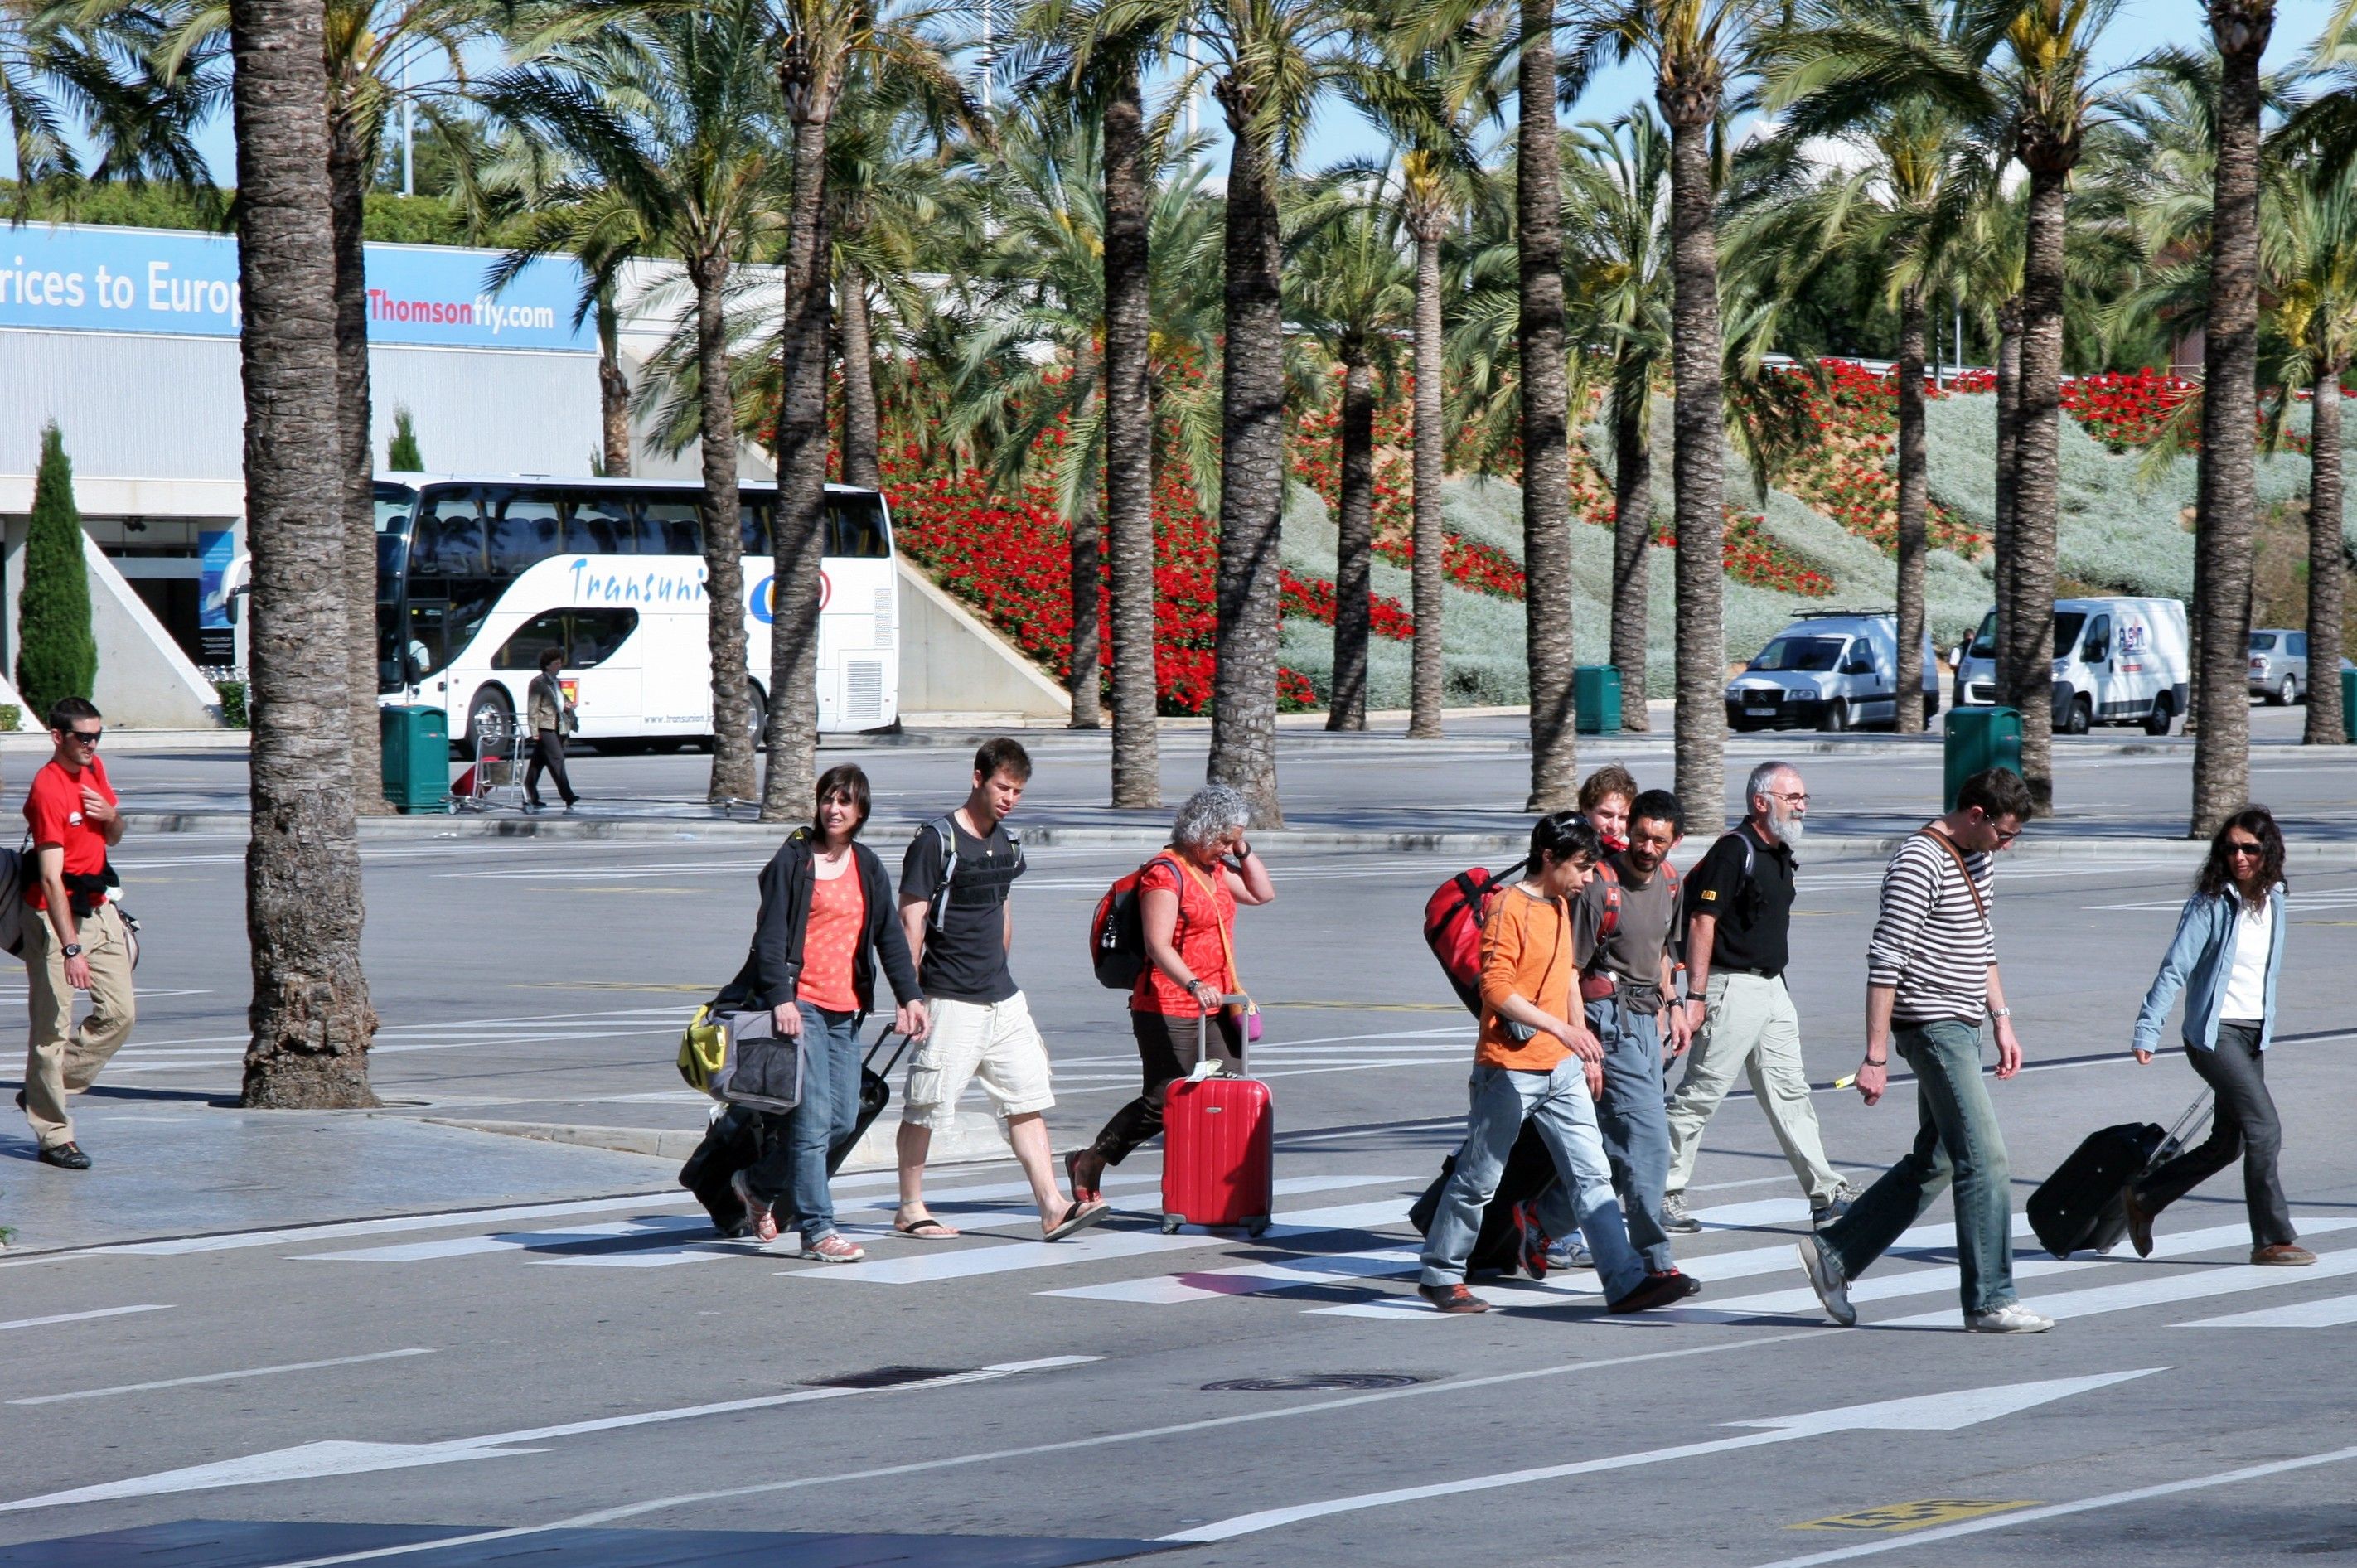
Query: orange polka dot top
<point x="838" y="913"/>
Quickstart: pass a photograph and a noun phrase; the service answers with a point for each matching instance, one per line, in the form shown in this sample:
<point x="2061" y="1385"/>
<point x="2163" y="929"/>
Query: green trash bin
<point x="1977" y="740"/>
<point x="2349" y="707"/>
<point x="416" y="766"/>
<point x="1596" y="699"/>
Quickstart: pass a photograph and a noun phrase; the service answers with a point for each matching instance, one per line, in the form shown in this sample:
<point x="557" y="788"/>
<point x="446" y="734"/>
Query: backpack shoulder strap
<point x="945" y="830"/>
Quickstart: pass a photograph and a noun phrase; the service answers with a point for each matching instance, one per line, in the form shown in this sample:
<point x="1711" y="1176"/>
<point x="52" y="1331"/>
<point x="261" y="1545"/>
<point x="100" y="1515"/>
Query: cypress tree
<point x="56" y="655"/>
<point x="401" y="454"/>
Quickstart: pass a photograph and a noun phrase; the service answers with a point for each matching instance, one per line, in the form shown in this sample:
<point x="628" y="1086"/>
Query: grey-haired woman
<point x="1186" y="903"/>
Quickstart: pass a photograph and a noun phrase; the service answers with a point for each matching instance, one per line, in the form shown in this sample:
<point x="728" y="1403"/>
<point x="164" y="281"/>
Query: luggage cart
<point x="503" y="748"/>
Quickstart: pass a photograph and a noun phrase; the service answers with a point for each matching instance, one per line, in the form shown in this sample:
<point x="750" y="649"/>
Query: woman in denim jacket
<point x="2225" y="958"/>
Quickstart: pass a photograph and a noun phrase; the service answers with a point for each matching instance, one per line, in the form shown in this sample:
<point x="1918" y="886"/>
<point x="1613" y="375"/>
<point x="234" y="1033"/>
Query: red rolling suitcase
<point x="1218" y="1148"/>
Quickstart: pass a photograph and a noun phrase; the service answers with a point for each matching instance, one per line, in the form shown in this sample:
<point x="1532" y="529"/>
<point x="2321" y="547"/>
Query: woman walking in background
<point x="2226" y="955"/>
<point x="827" y="921"/>
<point x="1187" y="899"/>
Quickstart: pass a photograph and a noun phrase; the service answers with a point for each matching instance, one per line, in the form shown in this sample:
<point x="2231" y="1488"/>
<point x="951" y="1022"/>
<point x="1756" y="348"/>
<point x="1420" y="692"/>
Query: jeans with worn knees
<point x="1957" y="1143"/>
<point x="1636" y="1132"/>
<point x="1557" y="1102"/>
<point x="793" y="1167"/>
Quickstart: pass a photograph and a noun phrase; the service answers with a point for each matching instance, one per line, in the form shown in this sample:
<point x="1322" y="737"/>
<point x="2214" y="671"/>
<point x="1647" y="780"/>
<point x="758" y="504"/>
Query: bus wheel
<point x="761" y="706"/>
<point x="490" y="718"/>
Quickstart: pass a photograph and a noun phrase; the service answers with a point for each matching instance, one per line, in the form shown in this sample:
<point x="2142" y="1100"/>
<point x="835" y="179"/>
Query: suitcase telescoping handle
<point x="898" y="1051"/>
<point x="2187" y="1126"/>
<point x="1204" y="1066"/>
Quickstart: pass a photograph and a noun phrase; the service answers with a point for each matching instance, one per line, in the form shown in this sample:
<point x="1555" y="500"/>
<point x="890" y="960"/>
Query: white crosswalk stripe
<point x="2329" y="1311"/>
<point x="2164" y="1289"/>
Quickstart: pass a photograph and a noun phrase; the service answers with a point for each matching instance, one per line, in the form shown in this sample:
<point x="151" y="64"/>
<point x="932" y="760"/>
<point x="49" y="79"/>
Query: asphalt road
<point x="483" y="1334"/>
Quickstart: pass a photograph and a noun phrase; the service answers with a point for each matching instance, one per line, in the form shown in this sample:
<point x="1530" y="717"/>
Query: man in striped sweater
<point x="1930" y="977"/>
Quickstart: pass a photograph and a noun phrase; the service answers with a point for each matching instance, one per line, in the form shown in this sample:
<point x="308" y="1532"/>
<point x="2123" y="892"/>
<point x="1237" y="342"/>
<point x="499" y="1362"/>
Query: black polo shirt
<point x="1754" y="913"/>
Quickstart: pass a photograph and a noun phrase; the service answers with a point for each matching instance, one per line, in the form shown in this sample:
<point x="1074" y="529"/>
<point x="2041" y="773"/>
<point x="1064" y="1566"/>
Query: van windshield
<point x="1804" y="653"/>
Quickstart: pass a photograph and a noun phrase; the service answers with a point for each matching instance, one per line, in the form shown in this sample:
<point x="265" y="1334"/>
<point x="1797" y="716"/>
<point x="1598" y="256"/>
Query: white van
<point x="1829" y="669"/>
<point x="2116" y="662"/>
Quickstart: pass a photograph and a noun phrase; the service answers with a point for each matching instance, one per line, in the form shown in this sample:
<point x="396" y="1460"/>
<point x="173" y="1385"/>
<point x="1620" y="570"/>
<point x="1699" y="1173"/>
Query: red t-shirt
<point x="838" y="913"/>
<point x="53" y="808"/>
<point x="1207" y="914"/>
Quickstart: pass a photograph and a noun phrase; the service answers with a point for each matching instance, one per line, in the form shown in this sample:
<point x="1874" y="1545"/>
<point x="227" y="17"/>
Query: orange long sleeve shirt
<point x="1527" y="950"/>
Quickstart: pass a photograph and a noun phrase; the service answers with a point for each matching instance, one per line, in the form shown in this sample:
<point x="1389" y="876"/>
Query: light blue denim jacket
<point x="2201" y="960"/>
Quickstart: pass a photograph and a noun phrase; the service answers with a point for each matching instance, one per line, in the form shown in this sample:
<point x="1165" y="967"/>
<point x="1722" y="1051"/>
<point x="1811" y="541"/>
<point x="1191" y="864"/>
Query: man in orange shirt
<point x="74" y="937"/>
<point x="1537" y="1062"/>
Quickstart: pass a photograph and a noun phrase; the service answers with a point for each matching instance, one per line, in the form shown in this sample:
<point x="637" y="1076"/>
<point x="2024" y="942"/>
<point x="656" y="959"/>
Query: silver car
<point x="2279" y="665"/>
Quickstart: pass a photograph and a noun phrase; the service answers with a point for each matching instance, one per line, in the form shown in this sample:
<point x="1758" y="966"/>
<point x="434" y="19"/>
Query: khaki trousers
<point x="62" y="1058"/>
<point x="1750" y="1026"/>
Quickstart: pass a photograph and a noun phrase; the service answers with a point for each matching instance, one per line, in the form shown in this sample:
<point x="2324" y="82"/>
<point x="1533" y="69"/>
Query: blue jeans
<point x="1635" y="1126"/>
<point x="793" y="1167"/>
<point x="1956" y="1143"/>
<point x="1557" y="1102"/>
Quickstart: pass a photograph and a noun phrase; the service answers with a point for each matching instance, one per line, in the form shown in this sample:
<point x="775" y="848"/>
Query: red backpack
<point x="1452" y="927"/>
<point x="1118" y="933"/>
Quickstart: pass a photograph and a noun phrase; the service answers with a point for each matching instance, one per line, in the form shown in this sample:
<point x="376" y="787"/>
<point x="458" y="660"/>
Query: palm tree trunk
<point x="1698" y="465"/>
<point x="2030" y="674"/>
<point x="858" y="380"/>
<point x="1427" y="672"/>
<point x="347" y="179"/>
<point x="1354" y="547"/>
<point x="2227" y="501"/>
<point x="1084" y="557"/>
<point x="1547" y="412"/>
<point x="310" y="1018"/>
<point x="724" y="539"/>
<point x="2327" y="564"/>
<point x="801" y="487"/>
<point x="1914" y="499"/>
<point x="1252" y="474"/>
<point x="613" y="390"/>
<point x="1632" y="536"/>
<point x="2008" y="437"/>
<point x="1129" y="448"/>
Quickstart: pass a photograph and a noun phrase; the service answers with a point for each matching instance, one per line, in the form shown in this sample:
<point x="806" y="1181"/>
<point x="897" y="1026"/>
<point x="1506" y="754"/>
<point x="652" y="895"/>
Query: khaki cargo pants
<point x="63" y="1059"/>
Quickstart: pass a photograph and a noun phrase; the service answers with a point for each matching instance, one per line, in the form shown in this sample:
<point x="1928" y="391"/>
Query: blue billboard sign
<point x="88" y="279"/>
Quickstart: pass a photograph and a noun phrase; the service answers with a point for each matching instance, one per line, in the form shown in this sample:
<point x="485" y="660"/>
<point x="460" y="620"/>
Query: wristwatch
<point x="1997" y="1013"/>
<point x="72" y="950"/>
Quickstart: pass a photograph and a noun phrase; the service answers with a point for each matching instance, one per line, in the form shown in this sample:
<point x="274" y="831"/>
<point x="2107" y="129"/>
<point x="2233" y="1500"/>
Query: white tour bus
<point x="477" y="577"/>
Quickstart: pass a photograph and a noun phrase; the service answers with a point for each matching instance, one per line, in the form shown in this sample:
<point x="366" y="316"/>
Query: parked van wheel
<point x="2157" y="721"/>
<point x="2080" y="718"/>
<point x="1836" y="717"/>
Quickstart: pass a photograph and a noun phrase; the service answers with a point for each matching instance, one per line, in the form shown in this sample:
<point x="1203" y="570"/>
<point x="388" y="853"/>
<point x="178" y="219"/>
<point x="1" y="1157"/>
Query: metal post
<point x="408" y="133"/>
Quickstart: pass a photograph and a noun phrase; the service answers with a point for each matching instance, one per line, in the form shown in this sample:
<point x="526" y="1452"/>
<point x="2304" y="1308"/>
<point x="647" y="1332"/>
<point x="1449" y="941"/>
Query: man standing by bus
<point x="74" y="937"/>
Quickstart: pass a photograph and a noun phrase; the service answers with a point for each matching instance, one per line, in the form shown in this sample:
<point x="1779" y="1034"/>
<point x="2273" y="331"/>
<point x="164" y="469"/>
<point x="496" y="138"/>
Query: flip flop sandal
<point x="925" y="1229"/>
<point x="1081" y="1191"/>
<point x="1079" y="1217"/>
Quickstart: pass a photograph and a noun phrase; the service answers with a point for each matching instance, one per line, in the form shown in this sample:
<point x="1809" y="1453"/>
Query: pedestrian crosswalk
<point x="1341" y="1247"/>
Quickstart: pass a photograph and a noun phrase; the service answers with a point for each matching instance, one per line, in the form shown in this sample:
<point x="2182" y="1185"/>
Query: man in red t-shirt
<point x="74" y="937"/>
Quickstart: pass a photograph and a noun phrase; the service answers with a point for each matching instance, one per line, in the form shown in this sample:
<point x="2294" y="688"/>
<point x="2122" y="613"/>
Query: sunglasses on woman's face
<point x="2235" y="847"/>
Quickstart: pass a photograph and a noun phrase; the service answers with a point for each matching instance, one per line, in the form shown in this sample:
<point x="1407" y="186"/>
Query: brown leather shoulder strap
<point x="1945" y="843"/>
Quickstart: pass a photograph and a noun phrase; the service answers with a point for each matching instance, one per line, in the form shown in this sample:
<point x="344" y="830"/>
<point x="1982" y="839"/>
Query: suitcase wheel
<point x="1257" y="1226"/>
<point x="1171" y="1223"/>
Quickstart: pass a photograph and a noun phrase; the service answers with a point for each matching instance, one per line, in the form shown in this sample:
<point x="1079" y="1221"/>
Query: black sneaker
<point x="1658" y="1289"/>
<point x="66" y="1157"/>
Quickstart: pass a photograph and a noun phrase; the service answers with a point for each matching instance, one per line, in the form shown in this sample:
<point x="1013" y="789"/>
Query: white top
<point x="2247" y="988"/>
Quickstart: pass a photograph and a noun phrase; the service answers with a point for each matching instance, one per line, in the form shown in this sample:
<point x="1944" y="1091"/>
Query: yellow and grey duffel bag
<point x="740" y="1058"/>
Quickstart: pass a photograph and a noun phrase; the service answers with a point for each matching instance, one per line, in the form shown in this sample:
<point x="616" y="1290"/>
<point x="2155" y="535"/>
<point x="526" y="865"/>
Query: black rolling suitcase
<point x="1530" y="1171"/>
<point x="2079" y="1209"/>
<point x="733" y="1142"/>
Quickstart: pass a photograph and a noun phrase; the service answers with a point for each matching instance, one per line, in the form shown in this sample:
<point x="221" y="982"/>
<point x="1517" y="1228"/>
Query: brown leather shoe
<point x="2282" y="1255"/>
<point x="2139" y="1222"/>
<point x="1452" y="1298"/>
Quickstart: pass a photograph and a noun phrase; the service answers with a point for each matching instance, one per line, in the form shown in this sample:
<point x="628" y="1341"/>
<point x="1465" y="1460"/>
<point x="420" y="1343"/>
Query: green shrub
<point x="11" y="717"/>
<point x="401" y="454"/>
<point x="232" y="703"/>
<point x="56" y="655"/>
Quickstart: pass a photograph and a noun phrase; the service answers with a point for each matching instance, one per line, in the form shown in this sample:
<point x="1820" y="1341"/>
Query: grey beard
<point x="1790" y="827"/>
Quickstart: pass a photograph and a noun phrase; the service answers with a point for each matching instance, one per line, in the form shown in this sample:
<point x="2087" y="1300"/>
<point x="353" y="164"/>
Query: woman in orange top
<point x="1187" y="899"/>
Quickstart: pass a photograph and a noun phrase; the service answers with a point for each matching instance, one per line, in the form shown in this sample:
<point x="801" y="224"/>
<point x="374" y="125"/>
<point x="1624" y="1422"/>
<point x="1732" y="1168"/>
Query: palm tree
<point x="1352" y="293"/>
<point x="2309" y="251"/>
<point x="672" y="121"/>
<point x="76" y="81"/>
<point x="2227" y="505"/>
<point x="310" y="1016"/>
<point x="1617" y="187"/>
<point x="817" y="44"/>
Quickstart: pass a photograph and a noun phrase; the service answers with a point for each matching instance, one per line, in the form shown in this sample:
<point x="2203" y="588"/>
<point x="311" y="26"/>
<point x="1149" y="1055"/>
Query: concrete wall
<point x="953" y="663"/>
<point x="145" y="682"/>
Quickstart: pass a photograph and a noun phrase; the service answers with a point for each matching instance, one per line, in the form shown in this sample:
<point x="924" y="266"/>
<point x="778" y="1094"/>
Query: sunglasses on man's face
<point x="85" y="736"/>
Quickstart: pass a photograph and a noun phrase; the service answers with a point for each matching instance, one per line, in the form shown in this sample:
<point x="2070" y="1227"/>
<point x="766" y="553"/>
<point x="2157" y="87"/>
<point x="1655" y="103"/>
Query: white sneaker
<point x="1833" y="1291"/>
<point x="2012" y="1318"/>
<point x="1571" y="1253"/>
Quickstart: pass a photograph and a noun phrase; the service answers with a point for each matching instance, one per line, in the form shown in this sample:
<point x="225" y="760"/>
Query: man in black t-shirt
<point x="1738" y="906"/>
<point x="956" y="885"/>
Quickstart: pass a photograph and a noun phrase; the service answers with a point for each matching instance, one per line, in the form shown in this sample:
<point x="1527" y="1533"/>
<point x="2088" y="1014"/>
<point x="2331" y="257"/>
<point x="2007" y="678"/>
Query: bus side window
<point x="670" y="527"/>
<point x="854" y="527"/>
<point x="756" y="519"/>
<point x="598" y="635"/>
<point x="450" y="541"/>
<point x="526" y="530"/>
<point x="528" y="641"/>
<point x="595" y="530"/>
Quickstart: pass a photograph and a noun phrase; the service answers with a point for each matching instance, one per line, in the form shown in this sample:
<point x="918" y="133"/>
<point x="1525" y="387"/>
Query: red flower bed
<point x="1314" y="597"/>
<point x="2125" y="410"/>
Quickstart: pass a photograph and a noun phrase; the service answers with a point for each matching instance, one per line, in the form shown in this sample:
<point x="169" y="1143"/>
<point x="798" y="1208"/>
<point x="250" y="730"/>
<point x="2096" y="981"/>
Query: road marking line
<point x="2164" y="1289"/>
<point x="1895" y="1518"/>
<point x="80" y="1316"/>
<point x="2059" y="1511"/>
<point x="2329" y="1313"/>
<point x="220" y="1377"/>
